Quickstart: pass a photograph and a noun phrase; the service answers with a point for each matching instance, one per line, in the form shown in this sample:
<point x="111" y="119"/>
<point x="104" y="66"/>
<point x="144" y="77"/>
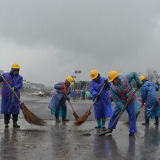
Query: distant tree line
<point x="153" y="76"/>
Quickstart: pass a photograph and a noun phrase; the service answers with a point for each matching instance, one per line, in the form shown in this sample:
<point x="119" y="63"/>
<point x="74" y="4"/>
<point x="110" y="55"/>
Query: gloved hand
<point x="96" y="96"/>
<point x="142" y="105"/>
<point x="123" y="108"/>
<point x="68" y="99"/>
<point x="106" y="81"/>
<point x="64" y="88"/>
<point x="139" y="86"/>
<point x="12" y="89"/>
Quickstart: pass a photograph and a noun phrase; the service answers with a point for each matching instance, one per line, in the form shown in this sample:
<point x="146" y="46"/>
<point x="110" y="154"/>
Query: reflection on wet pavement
<point x="64" y="141"/>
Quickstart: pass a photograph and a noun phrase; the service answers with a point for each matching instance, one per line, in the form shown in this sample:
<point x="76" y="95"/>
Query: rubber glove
<point x="12" y="89"/>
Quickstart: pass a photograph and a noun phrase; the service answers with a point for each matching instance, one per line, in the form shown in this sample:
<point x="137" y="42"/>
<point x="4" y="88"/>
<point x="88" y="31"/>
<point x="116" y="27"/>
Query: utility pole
<point x="77" y="72"/>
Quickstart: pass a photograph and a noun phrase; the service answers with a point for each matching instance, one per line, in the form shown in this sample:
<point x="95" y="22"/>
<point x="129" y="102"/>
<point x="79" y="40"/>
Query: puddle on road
<point x="86" y="134"/>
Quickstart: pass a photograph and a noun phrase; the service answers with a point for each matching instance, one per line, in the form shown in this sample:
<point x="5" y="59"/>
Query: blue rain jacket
<point x="9" y="103"/>
<point x="59" y="100"/>
<point x="102" y="107"/>
<point x="150" y="98"/>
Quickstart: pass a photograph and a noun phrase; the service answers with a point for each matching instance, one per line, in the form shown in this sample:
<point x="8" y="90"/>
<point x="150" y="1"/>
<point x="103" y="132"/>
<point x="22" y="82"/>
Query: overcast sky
<point x="50" y="39"/>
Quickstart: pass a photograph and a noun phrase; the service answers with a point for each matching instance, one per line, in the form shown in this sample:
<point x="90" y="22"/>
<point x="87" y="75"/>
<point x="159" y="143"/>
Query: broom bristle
<point x="30" y="117"/>
<point x="82" y="119"/>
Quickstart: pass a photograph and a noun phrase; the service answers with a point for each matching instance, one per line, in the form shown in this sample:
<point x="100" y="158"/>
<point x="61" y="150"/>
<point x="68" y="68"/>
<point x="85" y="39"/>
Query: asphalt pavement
<point x="64" y="141"/>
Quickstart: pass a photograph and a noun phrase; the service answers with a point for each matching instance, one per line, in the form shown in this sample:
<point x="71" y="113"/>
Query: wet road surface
<point x="39" y="106"/>
<point x="64" y="141"/>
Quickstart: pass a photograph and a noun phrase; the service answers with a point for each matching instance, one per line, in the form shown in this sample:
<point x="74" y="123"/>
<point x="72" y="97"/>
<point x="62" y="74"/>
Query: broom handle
<point x="71" y="106"/>
<point x="11" y="88"/>
<point x="69" y="102"/>
<point x="97" y="97"/>
<point x="122" y="110"/>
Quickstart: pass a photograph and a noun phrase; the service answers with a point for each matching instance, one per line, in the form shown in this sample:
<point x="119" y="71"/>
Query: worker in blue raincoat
<point x="10" y="104"/>
<point x="58" y="103"/>
<point x="122" y="91"/>
<point x="102" y="107"/>
<point x="150" y="99"/>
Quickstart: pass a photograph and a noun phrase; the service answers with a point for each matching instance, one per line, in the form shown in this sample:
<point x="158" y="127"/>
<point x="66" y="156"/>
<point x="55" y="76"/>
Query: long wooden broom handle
<point x="97" y="97"/>
<point x="71" y="106"/>
<point x="69" y="102"/>
<point x="124" y="107"/>
<point x="11" y="88"/>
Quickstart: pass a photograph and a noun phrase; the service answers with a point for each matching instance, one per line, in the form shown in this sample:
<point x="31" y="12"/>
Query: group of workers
<point x="120" y="87"/>
<point x="123" y="92"/>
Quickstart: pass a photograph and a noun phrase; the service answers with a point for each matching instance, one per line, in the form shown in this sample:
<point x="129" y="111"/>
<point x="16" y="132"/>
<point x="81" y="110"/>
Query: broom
<point x="119" y="114"/>
<point x="74" y="113"/>
<point x="28" y="115"/>
<point x="82" y="119"/>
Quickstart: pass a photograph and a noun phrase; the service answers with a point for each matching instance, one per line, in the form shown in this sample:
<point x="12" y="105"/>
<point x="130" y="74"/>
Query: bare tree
<point x="153" y="76"/>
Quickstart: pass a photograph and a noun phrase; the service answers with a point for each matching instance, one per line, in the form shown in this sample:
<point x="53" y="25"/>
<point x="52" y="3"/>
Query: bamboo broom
<point x="74" y="113"/>
<point x="28" y="115"/>
<point x="82" y="119"/>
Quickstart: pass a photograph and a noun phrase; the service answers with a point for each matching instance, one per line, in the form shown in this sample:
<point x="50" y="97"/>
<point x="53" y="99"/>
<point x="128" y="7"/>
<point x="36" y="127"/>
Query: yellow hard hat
<point x="70" y="79"/>
<point x="112" y="75"/>
<point x="142" y="77"/>
<point x="93" y="74"/>
<point x="15" y="66"/>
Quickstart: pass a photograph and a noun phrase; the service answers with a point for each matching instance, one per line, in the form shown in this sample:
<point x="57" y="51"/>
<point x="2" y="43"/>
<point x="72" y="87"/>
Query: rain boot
<point x="146" y="123"/>
<point x="98" y="123"/>
<point x="65" y="120"/>
<point x="57" y="119"/>
<point x="103" y="123"/>
<point x="15" y="125"/>
<point x="156" y="121"/>
<point x="131" y="134"/>
<point x="6" y="120"/>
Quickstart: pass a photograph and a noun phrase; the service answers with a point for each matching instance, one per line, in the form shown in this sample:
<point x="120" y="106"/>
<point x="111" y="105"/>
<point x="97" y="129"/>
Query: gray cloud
<point x="50" y="39"/>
